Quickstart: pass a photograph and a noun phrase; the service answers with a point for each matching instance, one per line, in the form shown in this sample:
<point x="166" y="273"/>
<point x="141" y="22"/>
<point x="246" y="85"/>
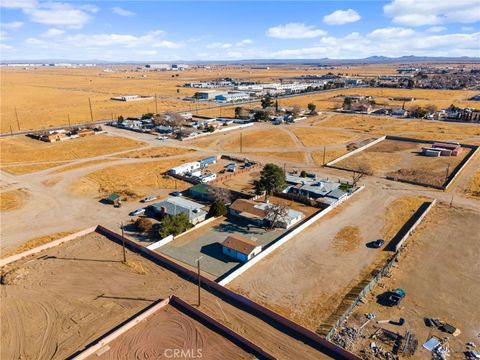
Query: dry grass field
<point x="330" y="154"/>
<point x="294" y="156"/>
<point x="79" y="166"/>
<point x="259" y="139"/>
<point x="131" y="180"/>
<point x="21" y="154"/>
<point x="317" y="136"/>
<point x="156" y="152"/>
<point x="402" y="160"/>
<point x="38" y="241"/>
<point x="13" y="199"/>
<point x="474" y="185"/>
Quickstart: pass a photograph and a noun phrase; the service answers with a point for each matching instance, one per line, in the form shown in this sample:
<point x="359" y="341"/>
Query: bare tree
<point x="360" y="174"/>
<point x="220" y="194"/>
<point x="274" y="213"/>
<point x="169" y="118"/>
<point x="296" y="111"/>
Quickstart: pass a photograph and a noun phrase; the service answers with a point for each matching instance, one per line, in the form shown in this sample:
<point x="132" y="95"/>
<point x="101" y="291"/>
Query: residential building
<point x="208" y="95"/>
<point x="184" y="168"/>
<point x="176" y="205"/>
<point x="240" y="248"/>
<point x="258" y="214"/>
<point x="232" y="96"/>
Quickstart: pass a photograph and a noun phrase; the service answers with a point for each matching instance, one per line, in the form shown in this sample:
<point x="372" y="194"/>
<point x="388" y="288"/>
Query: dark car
<point x="176" y="193"/>
<point x="376" y="244"/>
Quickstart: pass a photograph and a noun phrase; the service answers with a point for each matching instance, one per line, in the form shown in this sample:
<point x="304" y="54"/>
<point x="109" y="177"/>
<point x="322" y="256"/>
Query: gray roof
<point x="337" y="193"/>
<point x="176" y="205"/>
<point x="321" y="188"/>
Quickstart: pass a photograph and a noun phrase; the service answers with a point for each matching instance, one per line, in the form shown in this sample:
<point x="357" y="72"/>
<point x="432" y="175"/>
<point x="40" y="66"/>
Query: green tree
<point x="347" y="103"/>
<point x="303" y="174"/>
<point x="238" y="110"/>
<point x="410" y="84"/>
<point x="267" y="101"/>
<point x="147" y="116"/>
<point x="143" y="225"/>
<point x="261" y="115"/>
<point x="218" y="208"/>
<point x="174" y="225"/>
<point x="272" y="179"/>
<point x="311" y="107"/>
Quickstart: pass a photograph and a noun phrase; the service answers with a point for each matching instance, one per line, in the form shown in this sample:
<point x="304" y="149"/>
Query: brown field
<point x="38" y="241"/>
<point x="295" y="156"/>
<point x="259" y="139"/>
<point x="326" y="260"/>
<point x="26" y="169"/>
<point x="13" y="199"/>
<point x="474" y="185"/>
<point x="431" y="290"/>
<point x="330" y="154"/>
<point x="155" y="152"/>
<point x="401" y="159"/>
<point x="52" y="308"/>
<point x="132" y="180"/>
<point x="79" y="165"/>
<point x="169" y="328"/>
<point x="22" y="150"/>
<point x="317" y="135"/>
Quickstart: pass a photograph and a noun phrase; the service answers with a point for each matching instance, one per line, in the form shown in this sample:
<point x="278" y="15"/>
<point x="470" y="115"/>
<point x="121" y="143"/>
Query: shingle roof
<point x="240" y="244"/>
<point x="247" y="206"/>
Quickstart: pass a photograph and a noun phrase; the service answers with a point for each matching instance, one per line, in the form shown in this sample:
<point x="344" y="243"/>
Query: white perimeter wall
<point x="282" y="241"/>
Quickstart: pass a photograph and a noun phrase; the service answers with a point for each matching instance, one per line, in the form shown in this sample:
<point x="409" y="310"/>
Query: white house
<point x="184" y="168"/>
<point x="240" y="248"/>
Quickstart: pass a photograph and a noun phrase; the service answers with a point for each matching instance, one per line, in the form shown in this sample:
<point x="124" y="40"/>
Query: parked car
<point x="376" y="244"/>
<point x="148" y="199"/>
<point x="162" y="138"/>
<point x="394" y="297"/>
<point x="176" y="193"/>
<point x="137" y="212"/>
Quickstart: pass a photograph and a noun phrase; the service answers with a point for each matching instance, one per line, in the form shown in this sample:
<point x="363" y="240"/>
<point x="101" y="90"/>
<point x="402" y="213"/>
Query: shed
<point x="113" y="198"/>
<point x="240" y="248"/>
<point x="208" y="161"/>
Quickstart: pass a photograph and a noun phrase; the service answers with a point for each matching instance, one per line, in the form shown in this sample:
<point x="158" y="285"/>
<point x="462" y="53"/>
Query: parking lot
<point x="205" y="241"/>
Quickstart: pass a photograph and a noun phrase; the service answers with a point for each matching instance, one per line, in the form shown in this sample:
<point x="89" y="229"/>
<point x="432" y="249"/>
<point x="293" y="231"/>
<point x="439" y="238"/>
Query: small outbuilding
<point x="240" y="248"/>
<point x="113" y="199"/>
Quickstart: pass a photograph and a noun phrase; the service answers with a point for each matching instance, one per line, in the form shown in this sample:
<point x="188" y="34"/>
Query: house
<point x="176" y="205"/>
<point x="184" y="168"/>
<point x="55" y="136"/>
<point x="258" y="214"/>
<point x="322" y="191"/>
<point x="240" y="248"/>
<point x="201" y="192"/>
<point x="208" y="177"/>
<point x="85" y="132"/>
<point x="208" y="161"/>
<point x="232" y="96"/>
<point x="113" y="199"/>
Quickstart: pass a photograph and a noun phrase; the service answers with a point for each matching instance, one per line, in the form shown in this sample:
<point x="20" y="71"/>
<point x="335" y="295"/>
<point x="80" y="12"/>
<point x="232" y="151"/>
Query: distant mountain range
<point x="324" y="61"/>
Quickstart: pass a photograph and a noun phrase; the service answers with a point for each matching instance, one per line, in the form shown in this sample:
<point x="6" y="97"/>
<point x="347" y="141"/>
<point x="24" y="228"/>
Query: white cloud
<point x="432" y="12"/>
<point x="167" y="45"/>
<point x="219" y="45"/>
<point x="436" y="29"/>
<point x="5" y="47"/>
<point x="294" y="31"/>
<point x="467" y="28"/>
<point x="14" y="25"/>
<point x="244" y="42"/>
<point x="122" y="12"/>
<point x="146" y="52"/>
<point x="406" y="42"/>
<point x="18" y="4"/>
<point x="53" y="13"/>
<point x="341" y="17"/>
<point x="52" y="33"/>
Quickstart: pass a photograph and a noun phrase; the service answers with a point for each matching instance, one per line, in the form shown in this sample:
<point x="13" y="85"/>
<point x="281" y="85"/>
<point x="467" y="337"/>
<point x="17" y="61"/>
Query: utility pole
<point x="199" y="283"/>
<point x="123" y="244"/>
<point x="16" y="116"/>
<point x="324" y="151"/>
<point x="69" y="123"/>
<point x="446" y="175"/>
<point x="156" y="104"/>
<point x="91" y="112"/>
<point x="451" y="201"/>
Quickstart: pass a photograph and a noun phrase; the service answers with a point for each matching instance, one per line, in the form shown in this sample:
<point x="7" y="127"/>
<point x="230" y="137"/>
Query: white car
<point x="162" y="138"/>
<point x="137" y="212"/>
<point x="148" y="199"/>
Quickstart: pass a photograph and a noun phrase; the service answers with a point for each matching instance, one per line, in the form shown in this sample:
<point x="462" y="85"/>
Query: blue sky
<point x="230" y="30"/>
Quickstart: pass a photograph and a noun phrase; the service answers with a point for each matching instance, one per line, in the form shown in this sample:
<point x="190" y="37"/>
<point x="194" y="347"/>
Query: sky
<point x="234" y="30"/>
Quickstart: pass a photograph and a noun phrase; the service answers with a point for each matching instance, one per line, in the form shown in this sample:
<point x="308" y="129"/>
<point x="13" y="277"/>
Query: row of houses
<point x="65" y="134"/>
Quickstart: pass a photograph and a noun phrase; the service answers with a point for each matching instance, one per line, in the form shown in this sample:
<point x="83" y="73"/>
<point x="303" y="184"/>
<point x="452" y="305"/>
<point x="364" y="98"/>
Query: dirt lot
<point x="21" y="152"/>
<point x="440" y="277"/>
<point x="52" y="308"/>
<point x="402" y="160"/>
<point x="259" y="139"/>
<point x="132" y="180"/>
<point x="320" y="265"/>
<point x="474" y="185"/>
<point x="155" y="152"/>
<point x="13" y="199"/>
<point x="168" y="328"/>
